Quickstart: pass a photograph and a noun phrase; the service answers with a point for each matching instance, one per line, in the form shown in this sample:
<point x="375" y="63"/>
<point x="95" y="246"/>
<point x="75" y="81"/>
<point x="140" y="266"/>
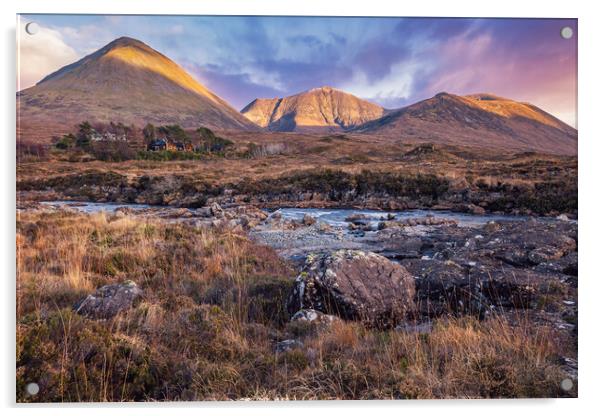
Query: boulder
<point x="204" y="212"/>
<point x="313" y="316"/>
<point x="355" y="285"/>
<point x="475" y="209"/>
<point x="216" y="210"/>
<point x="445" y="287"/>
<point x="109" y="300"/>
<point x="308" y="220"/>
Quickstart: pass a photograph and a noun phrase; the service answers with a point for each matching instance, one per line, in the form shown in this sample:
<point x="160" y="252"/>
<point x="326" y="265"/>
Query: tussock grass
<point x="212" y="311"/>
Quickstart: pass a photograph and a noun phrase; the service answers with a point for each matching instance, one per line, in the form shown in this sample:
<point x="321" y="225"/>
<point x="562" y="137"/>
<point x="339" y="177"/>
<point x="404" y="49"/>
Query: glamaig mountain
<point x="125" y="81"/>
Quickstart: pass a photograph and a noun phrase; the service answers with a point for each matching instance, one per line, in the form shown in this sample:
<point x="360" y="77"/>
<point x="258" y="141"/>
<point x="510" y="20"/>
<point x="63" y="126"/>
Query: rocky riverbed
<point x="402" y="270"/>
<point x="461" y="263"/>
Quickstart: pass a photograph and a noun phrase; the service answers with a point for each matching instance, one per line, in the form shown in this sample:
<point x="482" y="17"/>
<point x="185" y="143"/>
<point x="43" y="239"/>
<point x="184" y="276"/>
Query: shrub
<point x="112" y="151"/>
<point x="66" y="142"/>
<point x="209" y="142"/>
<point x="31" y="150"/>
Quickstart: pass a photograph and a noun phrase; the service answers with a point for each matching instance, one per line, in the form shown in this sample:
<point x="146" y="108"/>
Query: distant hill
<point x="319" y="109"/>
<point x="125" y="81"/>
<point x="482" y="120"/>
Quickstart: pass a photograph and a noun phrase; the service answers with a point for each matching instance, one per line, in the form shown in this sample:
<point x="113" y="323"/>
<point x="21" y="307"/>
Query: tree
<point x="84" y="135"/>
<point x="175" y="132"/>
<point x="66" y="142"/>
<point x="149" y="133"/>
<point x="212" y="143"/>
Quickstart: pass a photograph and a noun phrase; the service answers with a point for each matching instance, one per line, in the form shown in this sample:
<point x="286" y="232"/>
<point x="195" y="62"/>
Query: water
<point x="332" y="216"/>
<point x="92" y="207"/>
<point x="336" y="217"/>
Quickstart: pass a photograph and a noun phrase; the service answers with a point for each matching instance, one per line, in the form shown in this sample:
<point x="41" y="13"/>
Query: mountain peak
<point x="318" y="109"/>
<point x="325" y="88"/>
<point x="126" y="80"/>
<point x="485" y="96"/>
<point x="483" y="120"/>
<point x="125" y="41"/>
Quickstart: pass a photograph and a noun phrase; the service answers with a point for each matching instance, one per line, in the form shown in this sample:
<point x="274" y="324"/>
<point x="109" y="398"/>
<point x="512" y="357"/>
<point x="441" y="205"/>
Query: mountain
<point x="125" y="81"/>
<point x="319" y="109"/>
<point x="482" y="120"/>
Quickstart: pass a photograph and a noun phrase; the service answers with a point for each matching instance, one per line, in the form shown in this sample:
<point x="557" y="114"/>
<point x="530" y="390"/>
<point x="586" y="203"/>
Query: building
<point x="167" y="144"/>
<point x="107" y="137"/>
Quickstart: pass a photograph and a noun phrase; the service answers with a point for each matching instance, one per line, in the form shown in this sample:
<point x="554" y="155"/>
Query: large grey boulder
<point x="355" y="285"/>
<point x="109" y="300"/>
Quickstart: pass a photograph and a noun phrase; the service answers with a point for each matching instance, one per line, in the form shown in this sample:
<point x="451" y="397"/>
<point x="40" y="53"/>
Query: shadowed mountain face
<point x="126" y="81"/>
<point x="482" y="120"/>
<point x="319" y="109"/>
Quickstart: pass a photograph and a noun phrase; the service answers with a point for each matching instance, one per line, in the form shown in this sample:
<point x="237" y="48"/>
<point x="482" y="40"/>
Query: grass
<point x="212" y="311"/>
<point x="274" y="168"/>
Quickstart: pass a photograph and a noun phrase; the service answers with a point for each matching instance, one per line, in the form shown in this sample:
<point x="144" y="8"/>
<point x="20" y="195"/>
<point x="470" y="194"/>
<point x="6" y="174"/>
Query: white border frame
<point x="590" y="137"/>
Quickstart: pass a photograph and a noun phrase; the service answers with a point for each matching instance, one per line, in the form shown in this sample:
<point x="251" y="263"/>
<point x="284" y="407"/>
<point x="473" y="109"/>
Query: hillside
<point x="482" y="120"/>
<point x="319" y="109"/>
<point x="125" y="81"/>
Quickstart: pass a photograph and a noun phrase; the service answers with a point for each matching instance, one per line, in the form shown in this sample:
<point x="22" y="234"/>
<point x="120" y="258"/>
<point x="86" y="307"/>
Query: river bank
<point x="490" y="306"/>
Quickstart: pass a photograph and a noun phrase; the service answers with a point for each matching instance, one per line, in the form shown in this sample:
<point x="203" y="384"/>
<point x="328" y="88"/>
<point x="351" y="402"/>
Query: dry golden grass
<point x="211" y="314"/>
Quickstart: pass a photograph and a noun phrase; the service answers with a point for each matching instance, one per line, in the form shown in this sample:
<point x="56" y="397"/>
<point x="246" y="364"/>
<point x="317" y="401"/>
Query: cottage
<point x="158" y="145"/>
<point x="107" y="137"/>
<point x="166" y="144"/>
<point x="184" y="147"/>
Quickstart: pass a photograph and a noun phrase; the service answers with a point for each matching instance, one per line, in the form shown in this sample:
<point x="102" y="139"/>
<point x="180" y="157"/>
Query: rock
<point x="216" y="210"/>
<point x="308" y="220"/>
<point x="358" y="219"/>
<point x="445" y="287"/>
<point x="562" y="217"/>
<point x="203" y="212"/>
<point x="109" y="300"/>
<point x="475" y="209"/>
<point x="355" y="285"/>
<point x="492" y="226"/>
<point x="324" y="227"/>
<point x="544" y="254"/>
<point x="288" y="345"/>
<point x="276" y="216"/>
<point x="313" y="316"/>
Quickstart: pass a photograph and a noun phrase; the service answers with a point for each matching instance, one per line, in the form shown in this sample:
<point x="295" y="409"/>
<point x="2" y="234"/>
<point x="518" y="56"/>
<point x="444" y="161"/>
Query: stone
<point x="355" y="285"/>
<point x="109" y="300"/>
<point x="475" y="209"/>
<point x="313" y="316"/>
<point x="288" y="345"/>
<point x="491" y="226"/>
<point x="308" y="220"/>
<point x="216" y="210"/>
<point x="203" y="212"/>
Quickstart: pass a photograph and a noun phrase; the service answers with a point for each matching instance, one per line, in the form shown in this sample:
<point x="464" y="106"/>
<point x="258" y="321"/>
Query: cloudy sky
<point x="390" y="61"/>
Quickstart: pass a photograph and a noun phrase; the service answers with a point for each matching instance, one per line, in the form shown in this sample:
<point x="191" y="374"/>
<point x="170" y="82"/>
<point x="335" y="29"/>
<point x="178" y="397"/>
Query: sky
<point x="390" y="61"/>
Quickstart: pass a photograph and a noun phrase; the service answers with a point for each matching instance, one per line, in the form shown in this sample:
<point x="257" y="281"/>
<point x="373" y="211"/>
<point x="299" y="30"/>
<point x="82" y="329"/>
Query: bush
<point x="66" y="142"/>
<point x="31" y="150"/>
<point x="209" y="142"/>
<point x="112" y="151"/>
